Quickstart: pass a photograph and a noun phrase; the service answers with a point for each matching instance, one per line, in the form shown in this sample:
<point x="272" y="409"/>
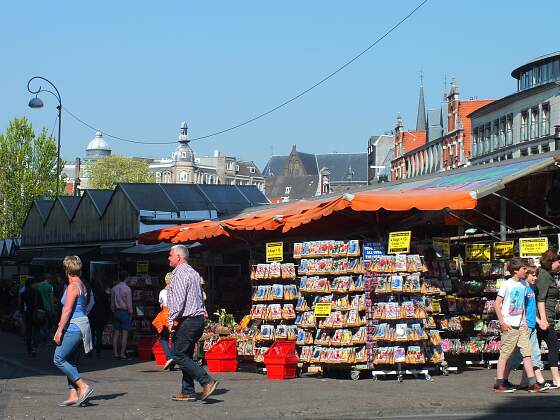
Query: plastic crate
<point x="144" y="348"/>
<point x="159" y="354"/>
<point x="281" y="360"/>
<point x="222" y="356"/>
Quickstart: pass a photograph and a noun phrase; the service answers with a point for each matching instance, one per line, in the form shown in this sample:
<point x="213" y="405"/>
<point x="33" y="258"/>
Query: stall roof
<point x="457" y="190"/>
<point x="100" y="199"/>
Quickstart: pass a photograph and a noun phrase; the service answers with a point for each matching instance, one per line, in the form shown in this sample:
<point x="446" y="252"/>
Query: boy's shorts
<point x="515" y="337"/>
<point x="121" y="320"/>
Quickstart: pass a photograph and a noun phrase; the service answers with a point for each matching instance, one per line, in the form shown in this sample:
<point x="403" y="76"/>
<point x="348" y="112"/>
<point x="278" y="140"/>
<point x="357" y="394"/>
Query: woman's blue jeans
<point x="67" y="355"/>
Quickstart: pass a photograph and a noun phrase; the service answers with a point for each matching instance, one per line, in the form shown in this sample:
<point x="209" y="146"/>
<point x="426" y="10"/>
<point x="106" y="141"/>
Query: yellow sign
<point x="142" y="267"/>
<point x="442" y="246"/>
<point x="274" y="251"/>
<point x="399" y="242"/>
<point x="322" y="309"/>
<point x="478" y="252"/>
<point x="503" y="249"/>
<point x="532" y="247"/>
<point x="22" y="278"/>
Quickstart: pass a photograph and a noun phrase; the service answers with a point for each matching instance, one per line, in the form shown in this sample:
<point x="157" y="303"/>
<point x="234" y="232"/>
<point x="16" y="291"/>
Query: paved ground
<point x="30" y="388"/>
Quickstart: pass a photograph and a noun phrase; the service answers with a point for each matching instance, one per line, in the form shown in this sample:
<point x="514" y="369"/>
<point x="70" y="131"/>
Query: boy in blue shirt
<point x="532" y="322"/>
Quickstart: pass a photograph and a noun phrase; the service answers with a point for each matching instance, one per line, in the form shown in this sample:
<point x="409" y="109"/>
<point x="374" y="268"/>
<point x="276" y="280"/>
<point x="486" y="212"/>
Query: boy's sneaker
<point x="535" y="388"/>
<point x="505" y="388"/>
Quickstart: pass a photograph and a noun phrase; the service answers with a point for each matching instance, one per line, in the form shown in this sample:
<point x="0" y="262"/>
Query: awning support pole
<point x="494" y="220"/>
<point x="503" y="215"/>
<point x="456" y="216"/>
<point x="509" y="200"/>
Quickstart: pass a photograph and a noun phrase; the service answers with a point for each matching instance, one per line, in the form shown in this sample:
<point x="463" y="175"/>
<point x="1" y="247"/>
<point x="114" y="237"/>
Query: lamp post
<point x="36" y="102"/>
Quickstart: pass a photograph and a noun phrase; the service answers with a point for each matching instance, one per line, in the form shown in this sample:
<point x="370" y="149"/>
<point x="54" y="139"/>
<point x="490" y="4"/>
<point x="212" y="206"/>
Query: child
<point x="532" y="321"/>
<point x="510" y="309"/>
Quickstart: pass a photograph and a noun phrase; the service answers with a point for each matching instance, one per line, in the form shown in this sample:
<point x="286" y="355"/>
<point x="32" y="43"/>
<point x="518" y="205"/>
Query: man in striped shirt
<point x="186" y="321"/>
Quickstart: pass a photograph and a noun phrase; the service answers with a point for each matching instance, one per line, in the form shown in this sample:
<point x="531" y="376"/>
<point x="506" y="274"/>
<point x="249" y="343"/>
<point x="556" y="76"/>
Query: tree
<point x="27" y="172"/>
<point x="106" y="173"/>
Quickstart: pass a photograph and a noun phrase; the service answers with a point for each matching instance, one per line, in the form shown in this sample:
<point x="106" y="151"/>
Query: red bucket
<point x="222" y="356"/>
<point x="281" y="360"/>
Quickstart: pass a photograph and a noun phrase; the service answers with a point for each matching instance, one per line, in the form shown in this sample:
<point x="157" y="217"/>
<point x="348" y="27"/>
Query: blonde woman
<point x="161" y="323"/>
<point x="73" y="330"/>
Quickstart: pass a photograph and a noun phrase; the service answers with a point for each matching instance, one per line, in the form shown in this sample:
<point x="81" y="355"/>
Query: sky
<point x="136" y="69"/>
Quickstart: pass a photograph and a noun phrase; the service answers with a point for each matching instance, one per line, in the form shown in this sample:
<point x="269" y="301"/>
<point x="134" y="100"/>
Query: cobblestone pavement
<point x="31" y="388"/>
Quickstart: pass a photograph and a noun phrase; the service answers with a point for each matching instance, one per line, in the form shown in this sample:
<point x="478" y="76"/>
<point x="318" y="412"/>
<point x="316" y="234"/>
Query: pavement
<point x="31" y="387"/>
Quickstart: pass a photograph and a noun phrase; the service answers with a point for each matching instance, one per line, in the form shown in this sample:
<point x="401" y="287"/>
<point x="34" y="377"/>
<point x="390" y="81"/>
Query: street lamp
<point x="36" y="102"/>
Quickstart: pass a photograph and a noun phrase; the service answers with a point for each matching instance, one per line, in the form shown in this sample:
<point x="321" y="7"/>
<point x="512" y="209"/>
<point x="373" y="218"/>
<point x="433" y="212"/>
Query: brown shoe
<point x="183" y="397"/>
<point x="208" y="390"/>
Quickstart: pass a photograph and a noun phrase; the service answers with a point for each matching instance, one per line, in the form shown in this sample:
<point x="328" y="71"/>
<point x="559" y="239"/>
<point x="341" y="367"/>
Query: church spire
<point x="421" y="117"/>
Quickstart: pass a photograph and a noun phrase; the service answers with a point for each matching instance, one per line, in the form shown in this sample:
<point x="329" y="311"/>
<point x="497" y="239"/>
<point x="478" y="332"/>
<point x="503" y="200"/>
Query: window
<point x="524" y="125"/>
<point x="502" y="133"/>
<point x="474" y="142"/>
<point x="487" y="138"/>
<point x="230" y="166"/>
<point x="545" y="120"/>
<point x="524" y="152"/>
<point x="494" y="138"/>
<point x="535" y="150"/>
<point x="184" y="155"/>
<point x="545" y="148"/>
<point x="288" y="189"/>
<point x="167" y="177"/>
<point x="252" y="169"/>
<point x="236" y="168"/>
<point x="158" y="176"/>
<point x="182" y="176"/>
<point x="510" y="155"/>
<point x="534" y="129"/>
<point x="509" y="125"/>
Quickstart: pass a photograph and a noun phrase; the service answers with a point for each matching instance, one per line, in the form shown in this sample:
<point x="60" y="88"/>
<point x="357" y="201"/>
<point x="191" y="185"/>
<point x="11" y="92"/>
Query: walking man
<point x="121" y="305"/>
<point x="186" y="322"/>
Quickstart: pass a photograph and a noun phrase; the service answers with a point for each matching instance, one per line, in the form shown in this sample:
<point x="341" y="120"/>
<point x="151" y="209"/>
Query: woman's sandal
<point x="67" y="403"/>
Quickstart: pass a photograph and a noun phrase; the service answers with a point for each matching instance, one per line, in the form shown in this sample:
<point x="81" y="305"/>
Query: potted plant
<point x="226" y="322"/>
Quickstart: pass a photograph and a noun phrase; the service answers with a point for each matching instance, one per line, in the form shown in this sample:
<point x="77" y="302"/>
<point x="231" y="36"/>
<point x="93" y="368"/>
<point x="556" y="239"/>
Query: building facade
<point x="524" y="123"/>
<point x="441" y="141"/>
<point x="304" y="175"/>
<point x="183" y="167"/>
<point x="381" y="150"/>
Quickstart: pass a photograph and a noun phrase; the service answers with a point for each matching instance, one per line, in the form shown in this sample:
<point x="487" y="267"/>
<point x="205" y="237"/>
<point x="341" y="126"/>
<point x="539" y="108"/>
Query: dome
<point x="98" y="143"/>
<point x="184" y="153"/>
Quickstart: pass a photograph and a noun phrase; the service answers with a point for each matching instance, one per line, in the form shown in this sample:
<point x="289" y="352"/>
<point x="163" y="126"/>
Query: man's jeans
<point x="516" y="358"/>
<point x="184" y="341"/>
<point x="66" y="356"/>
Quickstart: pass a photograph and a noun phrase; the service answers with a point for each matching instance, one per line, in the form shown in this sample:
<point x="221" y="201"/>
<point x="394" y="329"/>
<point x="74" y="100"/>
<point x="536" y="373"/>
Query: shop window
<point x="545" y="120"/>
<point x="524" y="125"/>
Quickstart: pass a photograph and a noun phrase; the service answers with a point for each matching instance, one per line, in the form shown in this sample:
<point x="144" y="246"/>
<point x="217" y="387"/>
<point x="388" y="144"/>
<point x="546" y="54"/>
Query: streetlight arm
<point x="35" y="92"/>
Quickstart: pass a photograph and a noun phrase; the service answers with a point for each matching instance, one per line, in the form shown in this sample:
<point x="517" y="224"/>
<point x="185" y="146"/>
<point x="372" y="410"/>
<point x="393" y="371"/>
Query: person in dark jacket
<point x="100" y="315"/>
<point x="29" y="306"/>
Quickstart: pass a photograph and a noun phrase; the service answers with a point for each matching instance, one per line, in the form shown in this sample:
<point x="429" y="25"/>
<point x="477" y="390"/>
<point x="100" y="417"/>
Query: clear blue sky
<point x="137" y="69"/>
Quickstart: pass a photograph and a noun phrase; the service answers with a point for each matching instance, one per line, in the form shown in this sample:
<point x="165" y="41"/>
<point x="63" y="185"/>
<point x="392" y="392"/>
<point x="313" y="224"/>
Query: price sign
<point x="142" y="267"/>
<point x="322" y="309"/>
<point x="442" y="246"/>
<point x="503" y="249"/>
<point x="274" y="251"/>
<point x="532" y="247"/>
<point x="372" y="249"/>
<point x="399" y="242"/>
<point x="478" y="252"/>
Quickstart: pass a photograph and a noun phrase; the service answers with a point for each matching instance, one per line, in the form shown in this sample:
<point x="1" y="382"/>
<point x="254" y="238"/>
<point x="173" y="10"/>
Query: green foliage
<point x="27" y="172"/>
<point x="106" y="173"/>
<point x="225" y="319"/>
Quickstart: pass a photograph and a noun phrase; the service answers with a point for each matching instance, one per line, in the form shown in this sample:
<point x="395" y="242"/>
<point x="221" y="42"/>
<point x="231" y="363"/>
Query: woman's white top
<point x="163" y="297"/>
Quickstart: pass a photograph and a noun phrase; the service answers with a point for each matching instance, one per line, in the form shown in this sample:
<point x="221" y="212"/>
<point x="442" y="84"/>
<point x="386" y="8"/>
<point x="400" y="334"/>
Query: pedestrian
<point x="45" y="290"/>
<point x="73" y="330"/>
<point x="161" y="324"/>
<point x="186" y="322"/>
<point x="532" y="321"/>
<point x="100" y="315"/>
<point x="29" y="308"/>
<point x="510" y="309"/>
<point x="121" y="305"/>
<point x="548" y="285"/>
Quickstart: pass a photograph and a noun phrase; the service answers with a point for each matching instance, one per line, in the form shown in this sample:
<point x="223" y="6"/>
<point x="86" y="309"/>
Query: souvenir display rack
<point x="470" y="327"/>
<point x="331" y="273"/>
<point x="401" y="330"/>
<point x="145" y="305"/>
<point x="274" y="294"/>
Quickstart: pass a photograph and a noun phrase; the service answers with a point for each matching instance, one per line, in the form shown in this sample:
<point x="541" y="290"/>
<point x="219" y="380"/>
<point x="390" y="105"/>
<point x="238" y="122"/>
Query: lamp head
<point x="35" y="103"/>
